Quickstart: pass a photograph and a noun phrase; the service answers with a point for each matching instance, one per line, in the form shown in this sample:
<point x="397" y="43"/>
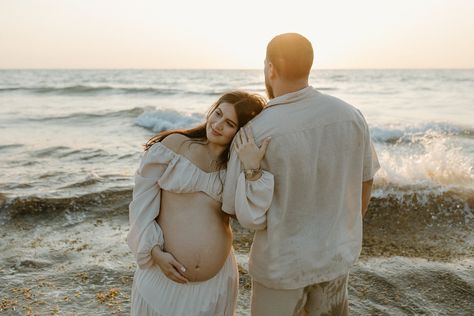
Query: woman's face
<point x="222" y="124"/>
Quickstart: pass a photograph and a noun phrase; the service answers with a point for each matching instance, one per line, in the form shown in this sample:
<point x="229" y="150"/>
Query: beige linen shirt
<point x="320" y="153"/>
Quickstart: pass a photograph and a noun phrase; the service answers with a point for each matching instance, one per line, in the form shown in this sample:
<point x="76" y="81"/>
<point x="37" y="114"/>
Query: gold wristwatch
<point x="252" y="173"/>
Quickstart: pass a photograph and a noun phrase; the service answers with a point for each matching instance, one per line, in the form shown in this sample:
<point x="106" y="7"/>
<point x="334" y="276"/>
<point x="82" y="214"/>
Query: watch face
<point x="250" y="173"/>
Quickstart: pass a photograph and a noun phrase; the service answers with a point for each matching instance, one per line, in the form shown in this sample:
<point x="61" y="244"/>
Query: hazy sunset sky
<point x="233" y="34"/>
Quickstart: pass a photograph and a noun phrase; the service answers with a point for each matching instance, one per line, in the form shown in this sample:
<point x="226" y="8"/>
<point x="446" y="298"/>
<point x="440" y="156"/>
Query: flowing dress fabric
<point x="153" y="293"/>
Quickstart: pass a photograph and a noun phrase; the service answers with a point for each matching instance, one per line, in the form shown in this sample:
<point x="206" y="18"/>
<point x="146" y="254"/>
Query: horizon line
<point x="226" y="69"/>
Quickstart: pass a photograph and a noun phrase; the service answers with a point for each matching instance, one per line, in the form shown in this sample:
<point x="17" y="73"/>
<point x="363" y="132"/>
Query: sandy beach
<point x="72" y="260"/>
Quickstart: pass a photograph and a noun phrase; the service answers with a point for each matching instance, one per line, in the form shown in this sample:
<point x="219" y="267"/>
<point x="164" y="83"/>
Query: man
<point x="323" y="164"/>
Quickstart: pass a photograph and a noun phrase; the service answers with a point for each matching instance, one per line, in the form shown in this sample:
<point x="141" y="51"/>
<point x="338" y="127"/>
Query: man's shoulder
<point x="333" y="100"/>
<point x="318" y="109"/>
<point x="263" y="122"/>
<point x="339" y="106"/>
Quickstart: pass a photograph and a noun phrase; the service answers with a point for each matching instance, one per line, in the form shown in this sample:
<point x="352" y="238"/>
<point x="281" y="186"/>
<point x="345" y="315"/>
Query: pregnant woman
<point x="181" y="239"/>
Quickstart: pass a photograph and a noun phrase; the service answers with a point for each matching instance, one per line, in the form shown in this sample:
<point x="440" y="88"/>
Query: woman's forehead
<point x="228" y="110"/>
<point x="226" y="107"/>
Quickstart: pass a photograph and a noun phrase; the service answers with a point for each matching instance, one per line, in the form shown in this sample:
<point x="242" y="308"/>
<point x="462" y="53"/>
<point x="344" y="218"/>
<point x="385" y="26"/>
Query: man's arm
<point x="366" y="190"/>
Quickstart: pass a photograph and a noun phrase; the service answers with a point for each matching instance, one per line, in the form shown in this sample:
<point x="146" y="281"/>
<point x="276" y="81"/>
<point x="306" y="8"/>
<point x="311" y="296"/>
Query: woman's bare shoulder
<point x="175" y="141"/>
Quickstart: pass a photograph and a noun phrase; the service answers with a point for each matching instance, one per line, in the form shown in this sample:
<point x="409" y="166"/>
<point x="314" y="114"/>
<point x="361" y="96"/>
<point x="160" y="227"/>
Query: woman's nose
<point x="219" y="124"/>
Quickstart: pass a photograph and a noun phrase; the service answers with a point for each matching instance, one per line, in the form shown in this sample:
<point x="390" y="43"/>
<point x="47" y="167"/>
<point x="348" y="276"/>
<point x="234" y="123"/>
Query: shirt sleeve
<point x="253" y="199"/>
<point x="371" y="162"/>
<point x="145" y="233"/>
<point x="248" y="200"/>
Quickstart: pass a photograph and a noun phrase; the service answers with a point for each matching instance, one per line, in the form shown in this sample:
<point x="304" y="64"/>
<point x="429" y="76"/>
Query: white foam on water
<point x="161" y="120"/>
<point x="433" y="160"/>
<point x="410" y="132"/>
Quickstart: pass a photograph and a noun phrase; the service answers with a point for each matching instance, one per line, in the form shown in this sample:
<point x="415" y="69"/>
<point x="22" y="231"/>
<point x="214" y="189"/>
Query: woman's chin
<point x="214" y="138"/>
<point x="210" y="138"/>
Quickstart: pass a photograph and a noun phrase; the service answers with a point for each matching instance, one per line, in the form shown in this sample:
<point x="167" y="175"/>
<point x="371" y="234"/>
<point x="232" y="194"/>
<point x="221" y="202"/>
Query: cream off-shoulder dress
<point x="152" y="292"/>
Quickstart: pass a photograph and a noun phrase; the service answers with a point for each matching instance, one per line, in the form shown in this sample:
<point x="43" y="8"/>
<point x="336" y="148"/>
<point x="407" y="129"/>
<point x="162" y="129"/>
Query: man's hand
<point x="169" y="265"/>
<point x="366" y="190"/>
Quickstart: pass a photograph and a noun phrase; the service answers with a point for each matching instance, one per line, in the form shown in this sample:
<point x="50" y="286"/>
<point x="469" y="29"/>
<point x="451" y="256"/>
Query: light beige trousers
<point x="326" y="298"/>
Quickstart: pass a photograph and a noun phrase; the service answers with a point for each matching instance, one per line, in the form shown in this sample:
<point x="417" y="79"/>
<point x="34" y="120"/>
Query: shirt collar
<point x="292" y="96"/>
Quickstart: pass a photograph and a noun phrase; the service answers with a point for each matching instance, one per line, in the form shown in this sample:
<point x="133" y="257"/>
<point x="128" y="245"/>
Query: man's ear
<point x="272" y="72"/>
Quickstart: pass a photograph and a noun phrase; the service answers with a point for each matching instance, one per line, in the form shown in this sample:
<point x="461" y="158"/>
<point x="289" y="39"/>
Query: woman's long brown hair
<point x="246" y="106"/>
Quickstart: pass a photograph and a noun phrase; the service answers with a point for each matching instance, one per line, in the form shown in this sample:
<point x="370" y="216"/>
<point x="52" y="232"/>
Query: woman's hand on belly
<point x="169" y="265"/>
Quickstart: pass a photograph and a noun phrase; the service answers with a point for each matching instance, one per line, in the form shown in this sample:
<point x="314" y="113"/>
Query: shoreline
<point x="78" y="264"/>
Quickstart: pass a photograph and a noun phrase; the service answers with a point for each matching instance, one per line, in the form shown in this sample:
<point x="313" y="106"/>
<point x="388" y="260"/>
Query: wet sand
<point x="75" y="261"/>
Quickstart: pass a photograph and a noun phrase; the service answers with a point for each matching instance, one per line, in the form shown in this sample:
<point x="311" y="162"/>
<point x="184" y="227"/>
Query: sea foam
<point x="433" y="161"/>
<point x="161" y="120"/>
<point x="410" y="132"/>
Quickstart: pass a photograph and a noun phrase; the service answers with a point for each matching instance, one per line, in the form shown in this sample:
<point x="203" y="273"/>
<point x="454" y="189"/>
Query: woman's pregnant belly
<point x="196" y="232"/>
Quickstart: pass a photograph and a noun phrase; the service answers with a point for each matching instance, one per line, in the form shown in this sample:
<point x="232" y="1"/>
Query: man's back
<point x="319" y="154"/>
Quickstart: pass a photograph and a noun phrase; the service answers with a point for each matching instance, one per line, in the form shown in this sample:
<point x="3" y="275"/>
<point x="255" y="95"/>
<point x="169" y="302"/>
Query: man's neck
<point x="284" y="87"/>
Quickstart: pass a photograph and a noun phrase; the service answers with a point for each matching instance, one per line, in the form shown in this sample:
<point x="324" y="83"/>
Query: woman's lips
<point x="215" y="133"/>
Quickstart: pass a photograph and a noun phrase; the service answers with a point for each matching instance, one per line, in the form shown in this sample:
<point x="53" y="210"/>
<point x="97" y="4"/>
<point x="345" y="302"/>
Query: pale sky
<point x="233" y="34"/>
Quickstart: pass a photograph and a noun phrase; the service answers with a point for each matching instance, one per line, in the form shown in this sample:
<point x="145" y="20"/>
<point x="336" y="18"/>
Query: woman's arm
<point x="255" y="186"/>
<point x="145" y="238"/>
<point x="145" y="233"/>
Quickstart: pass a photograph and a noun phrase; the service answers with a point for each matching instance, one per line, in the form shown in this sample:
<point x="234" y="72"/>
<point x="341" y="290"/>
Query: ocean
<point x="70" y="141"/>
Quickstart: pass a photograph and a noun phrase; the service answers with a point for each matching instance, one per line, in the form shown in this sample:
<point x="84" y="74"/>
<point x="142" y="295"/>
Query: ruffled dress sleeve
<point x="145" y="233"/>
<point x="253" y="199"/>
